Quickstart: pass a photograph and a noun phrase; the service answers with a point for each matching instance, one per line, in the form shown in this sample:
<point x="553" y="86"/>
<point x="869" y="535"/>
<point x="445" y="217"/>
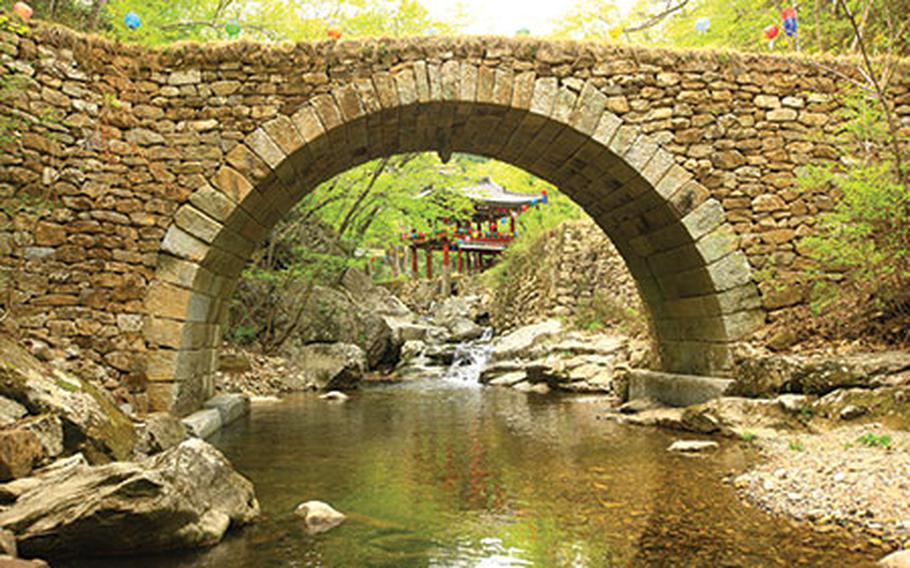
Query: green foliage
<point x="796" y="446"/>
<point x="861" y="247"/>
<point x="872" y="440"/>
<point x="168" y="21"/>
<point x="739" y="24"/>
<point x="748" y="436"/>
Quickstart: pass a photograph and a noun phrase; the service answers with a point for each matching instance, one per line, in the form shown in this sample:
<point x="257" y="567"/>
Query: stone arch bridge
<point x="168" y="167"/>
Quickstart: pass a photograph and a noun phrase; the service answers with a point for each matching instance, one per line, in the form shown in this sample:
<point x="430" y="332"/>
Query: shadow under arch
<point x="693" y="279"/>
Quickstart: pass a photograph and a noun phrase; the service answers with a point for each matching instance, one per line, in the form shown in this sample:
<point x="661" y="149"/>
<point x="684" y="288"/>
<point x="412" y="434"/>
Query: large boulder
<point x="185" y="497"/>
<point x="332" y="366"/>
<point x="524" y="341"/>
<point x="770" y="375"/>
<point x="92" y="423"/>
<point x="333" y="316"/>
<point x="734" y="416"/>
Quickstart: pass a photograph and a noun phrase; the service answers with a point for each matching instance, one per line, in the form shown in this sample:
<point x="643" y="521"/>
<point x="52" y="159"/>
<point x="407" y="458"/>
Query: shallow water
<point x="435" y="474"/>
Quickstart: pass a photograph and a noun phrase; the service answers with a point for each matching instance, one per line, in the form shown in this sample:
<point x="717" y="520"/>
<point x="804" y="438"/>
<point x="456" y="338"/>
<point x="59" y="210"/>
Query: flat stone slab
<point x="203" y="423"/>
<point x="230" y="406"/>
<point x="693" y="446"/>
<point x="675" y="390"/>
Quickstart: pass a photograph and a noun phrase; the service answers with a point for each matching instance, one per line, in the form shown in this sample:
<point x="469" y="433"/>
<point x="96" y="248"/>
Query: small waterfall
<point x="470" y="359"/>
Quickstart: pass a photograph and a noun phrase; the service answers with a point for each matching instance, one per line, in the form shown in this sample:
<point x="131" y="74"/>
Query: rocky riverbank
<point x="856" y="477"/>
<point x="83" y="476"/>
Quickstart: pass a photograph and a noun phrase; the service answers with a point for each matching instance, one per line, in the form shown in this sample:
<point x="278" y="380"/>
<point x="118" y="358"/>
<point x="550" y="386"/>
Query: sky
<point x="505" y="17"/>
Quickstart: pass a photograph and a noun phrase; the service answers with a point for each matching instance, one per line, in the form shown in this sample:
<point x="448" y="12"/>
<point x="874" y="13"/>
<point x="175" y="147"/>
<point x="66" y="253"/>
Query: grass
<point x="797" y="446"/>
<point x="872" y="440"/>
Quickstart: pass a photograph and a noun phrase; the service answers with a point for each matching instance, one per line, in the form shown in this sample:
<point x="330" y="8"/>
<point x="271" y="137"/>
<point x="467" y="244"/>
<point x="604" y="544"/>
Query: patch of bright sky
<point x="505" y="17"/>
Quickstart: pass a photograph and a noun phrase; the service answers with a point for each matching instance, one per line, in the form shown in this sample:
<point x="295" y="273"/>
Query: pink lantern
<point x="23" y="10"/>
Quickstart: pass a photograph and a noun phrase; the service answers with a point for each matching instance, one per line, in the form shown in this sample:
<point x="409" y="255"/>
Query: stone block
<point x="231" y="406"/>
<point x="675" y="389"/>
<point x="203" y="423"/>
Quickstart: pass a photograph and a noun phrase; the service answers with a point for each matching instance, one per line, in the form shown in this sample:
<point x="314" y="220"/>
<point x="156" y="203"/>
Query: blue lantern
<point x="790" y="26"/>
<point x="429" y="31"/>
<point x="702" y="25"/>
<point x="132" y="20"/>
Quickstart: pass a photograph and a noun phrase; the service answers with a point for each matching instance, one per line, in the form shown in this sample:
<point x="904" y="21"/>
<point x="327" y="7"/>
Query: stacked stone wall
<point x="564" y="271"/>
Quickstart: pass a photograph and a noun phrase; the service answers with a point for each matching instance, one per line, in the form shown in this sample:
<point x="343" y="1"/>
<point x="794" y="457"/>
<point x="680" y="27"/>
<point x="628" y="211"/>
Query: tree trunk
<point x="96" y="13"/>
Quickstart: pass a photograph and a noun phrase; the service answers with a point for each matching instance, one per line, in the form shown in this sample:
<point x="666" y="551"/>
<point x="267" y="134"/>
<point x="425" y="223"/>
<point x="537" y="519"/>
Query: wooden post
<point x="460" y="261"/>
<point x="445" y="255"/>
<point x="414" y="269"/>
<point x="512" y="224"/>
<point x="430" y="263"/>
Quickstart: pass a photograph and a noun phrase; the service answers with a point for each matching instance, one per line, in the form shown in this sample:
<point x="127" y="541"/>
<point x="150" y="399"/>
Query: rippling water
<point x="446" y="474"/>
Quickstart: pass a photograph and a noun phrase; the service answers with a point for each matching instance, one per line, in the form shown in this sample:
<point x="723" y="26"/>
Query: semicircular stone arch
<point x="693" y="278"/>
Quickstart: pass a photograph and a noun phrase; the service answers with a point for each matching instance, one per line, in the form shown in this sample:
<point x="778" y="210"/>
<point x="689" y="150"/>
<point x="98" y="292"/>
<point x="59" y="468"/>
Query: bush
<point x="861" y="278"/>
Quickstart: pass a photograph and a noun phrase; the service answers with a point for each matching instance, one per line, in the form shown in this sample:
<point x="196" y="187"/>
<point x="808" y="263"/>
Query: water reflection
<point x="432" y="475"/>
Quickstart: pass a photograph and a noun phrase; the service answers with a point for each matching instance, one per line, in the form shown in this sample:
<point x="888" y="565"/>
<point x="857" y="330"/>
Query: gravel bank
<point x="836" y="479"/>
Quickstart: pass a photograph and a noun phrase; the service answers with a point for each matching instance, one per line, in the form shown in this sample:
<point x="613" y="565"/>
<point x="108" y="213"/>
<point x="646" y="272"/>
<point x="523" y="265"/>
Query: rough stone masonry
<point x="139" y="181"/>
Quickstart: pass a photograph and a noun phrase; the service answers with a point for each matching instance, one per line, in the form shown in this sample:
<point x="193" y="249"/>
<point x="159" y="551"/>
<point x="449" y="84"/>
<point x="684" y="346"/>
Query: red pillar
<point x="430" y="263"/>
<point x="460" y="261"/>
<point x="445" y="254"/>
<point x="414" y="263"/>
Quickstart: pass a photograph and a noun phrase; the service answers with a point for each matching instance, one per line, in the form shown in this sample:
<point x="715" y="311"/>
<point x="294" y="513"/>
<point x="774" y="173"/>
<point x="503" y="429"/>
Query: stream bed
<point x="436" y="473"/>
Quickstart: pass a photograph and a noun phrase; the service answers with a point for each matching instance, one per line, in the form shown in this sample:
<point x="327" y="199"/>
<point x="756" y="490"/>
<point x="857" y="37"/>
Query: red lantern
<point x="788" y="13"/>
<point x="23" y="10"/>
<point x="334" y="33"/>
<point x="771" y="32"/>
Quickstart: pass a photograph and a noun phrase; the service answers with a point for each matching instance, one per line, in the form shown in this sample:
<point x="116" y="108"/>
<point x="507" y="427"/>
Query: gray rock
<point x="203" y="423"/>
<point x="793" y="403"/>
<point x="10" y="411"/>
<point x="509" y="379"/>
<point x="8" y="543"/>
<point x="443" y="354"/>
<point x="521" y="342"/>
<point x="535" y="388"/>
<point x="49" y="430"/>
<point x="231" y="406"/>
<point x="335" y="396"/>
<point x="692" y="446"/>
<point x="463" y="329"/>
<point x="185" y="497"/>
<point x="852" y="411"/>
<point x="160" y="431"/>
<point x="234" y="363"/>
<point x="319" y="517"/>
<point x="412" y="348"/>
<point x="899" y="559"/>
<point x="819" y="375"/>
<point x="332" y="366"/>
<point x="333" y="316"/>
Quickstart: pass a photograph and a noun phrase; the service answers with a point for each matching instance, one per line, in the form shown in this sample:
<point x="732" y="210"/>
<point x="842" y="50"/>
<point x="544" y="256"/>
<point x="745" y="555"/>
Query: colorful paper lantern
<point x="544" y="197"/>
<point x="132" y="20"/>
<point x="233" y="28"/>
<point x="429" y="31"/>
<point x="771" y="33"/>
<point x="702" y="25"/>
<point x="23" y="10"/>
<point x="334" y="33"/>
<point x="790" y="21"/>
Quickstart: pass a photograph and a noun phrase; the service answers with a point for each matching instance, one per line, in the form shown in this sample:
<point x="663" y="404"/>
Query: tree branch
<point x="656" y="18"/>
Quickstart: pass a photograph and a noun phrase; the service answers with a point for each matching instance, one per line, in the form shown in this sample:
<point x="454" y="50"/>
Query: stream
<point x="446" y="473"/>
